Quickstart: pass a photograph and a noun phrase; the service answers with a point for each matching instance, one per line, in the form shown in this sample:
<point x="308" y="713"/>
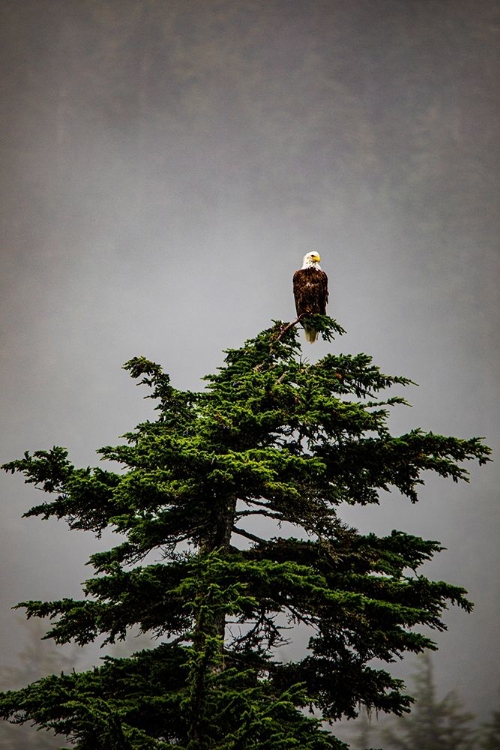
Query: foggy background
<point x="166" y="165"/>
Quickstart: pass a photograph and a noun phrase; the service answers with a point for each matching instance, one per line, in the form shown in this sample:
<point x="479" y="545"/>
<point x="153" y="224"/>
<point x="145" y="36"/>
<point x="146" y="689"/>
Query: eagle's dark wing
<point x="310" y="289"/>
<point x="323" y="292"/>
<point x="297" y="292"/>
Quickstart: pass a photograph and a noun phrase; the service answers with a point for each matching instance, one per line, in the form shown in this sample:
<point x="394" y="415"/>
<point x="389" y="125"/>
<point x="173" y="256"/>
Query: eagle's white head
<point x="311" y="260"/>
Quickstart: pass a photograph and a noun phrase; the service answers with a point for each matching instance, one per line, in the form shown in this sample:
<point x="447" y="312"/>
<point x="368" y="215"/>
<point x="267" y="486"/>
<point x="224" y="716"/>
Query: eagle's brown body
<point x="310" y="289"/>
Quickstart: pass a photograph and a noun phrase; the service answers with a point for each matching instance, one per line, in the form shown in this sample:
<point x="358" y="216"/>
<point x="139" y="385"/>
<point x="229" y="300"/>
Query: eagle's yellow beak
<point x="317" y="257"/>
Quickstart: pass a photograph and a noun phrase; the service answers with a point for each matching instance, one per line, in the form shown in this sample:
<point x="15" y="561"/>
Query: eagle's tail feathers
<point x="311" y="334"/>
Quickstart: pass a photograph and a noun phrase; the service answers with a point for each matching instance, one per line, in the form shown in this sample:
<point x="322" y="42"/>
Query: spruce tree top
<point x="272" y="437"/>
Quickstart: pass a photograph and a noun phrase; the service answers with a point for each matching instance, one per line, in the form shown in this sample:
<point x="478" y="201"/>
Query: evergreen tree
<point x="433" y="724"/>
<point x="35" y="660"/>
<point x="274" y="438"/>
<point x="490" y="734"/>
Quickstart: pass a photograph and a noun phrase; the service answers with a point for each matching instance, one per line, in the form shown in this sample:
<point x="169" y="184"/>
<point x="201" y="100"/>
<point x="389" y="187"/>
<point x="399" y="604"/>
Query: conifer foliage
<point x="490" y="735"/>
<point x="203" y="564"/>
<point x="434" y="724"/>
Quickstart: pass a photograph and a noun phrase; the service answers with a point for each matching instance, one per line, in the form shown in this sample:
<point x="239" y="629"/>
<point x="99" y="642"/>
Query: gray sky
<point x="165" y="168"/>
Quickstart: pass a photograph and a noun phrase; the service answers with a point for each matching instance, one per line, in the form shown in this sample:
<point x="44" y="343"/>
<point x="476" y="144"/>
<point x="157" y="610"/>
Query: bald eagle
<point x="310" y="289"/>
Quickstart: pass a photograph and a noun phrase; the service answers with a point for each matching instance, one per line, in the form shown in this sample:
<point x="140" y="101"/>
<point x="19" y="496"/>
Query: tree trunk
<point x="210" y="625"/>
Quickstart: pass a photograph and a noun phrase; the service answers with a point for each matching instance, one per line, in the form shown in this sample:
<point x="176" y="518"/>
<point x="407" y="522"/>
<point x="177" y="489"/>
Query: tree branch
<point x="248" y="535"/>
<point x="290" y="325"/>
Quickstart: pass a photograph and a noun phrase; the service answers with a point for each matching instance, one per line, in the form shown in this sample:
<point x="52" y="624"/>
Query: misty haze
<point x="166" y="166"/>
